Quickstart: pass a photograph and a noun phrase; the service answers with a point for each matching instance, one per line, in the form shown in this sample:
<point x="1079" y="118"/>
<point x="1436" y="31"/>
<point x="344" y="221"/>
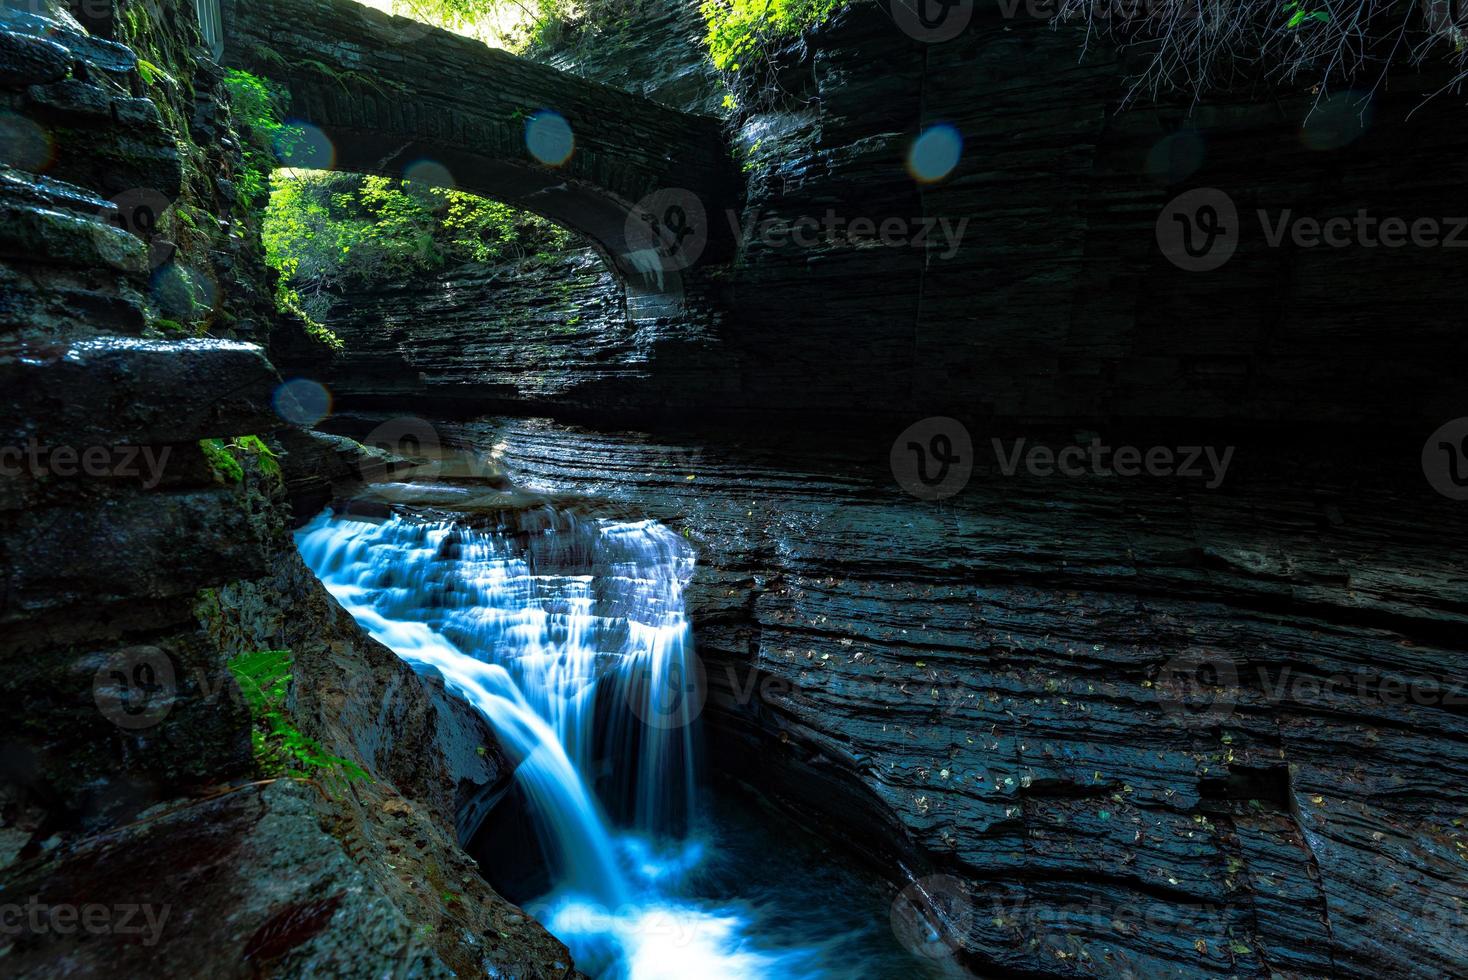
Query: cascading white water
<point x="524" y="627"/>
<point x="534" y="621"/>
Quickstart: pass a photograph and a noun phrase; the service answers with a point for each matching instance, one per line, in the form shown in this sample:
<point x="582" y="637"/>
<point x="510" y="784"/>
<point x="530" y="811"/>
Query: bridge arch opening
<point x="331" y="234"/>
<point x="439" y="298"/>
<point x="647" y="186"/>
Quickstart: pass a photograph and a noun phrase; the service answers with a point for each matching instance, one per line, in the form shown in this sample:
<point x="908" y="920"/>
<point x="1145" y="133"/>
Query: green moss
<point x="134" y="20"/>
<point x="152" y="74"/>
<point x="226" y="468"/>
<point x="280" y="748"/>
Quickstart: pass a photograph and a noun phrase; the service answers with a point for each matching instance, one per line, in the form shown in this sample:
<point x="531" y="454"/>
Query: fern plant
<point x="281" y="749"/>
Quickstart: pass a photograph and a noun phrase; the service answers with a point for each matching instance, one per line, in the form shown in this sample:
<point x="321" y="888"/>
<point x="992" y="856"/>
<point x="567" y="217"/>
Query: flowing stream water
<point x="570" y="635"/>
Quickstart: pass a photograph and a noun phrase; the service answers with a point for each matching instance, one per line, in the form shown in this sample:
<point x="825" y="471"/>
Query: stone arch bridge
<point x="390" y="93"/>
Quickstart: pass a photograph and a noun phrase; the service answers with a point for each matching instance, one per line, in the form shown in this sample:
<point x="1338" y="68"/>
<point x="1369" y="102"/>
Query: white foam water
<point x="532" y="622"/>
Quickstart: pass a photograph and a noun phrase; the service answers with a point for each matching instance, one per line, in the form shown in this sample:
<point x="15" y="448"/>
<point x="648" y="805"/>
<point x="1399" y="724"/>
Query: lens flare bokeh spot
<point x="549" y="139"/>
<point x="305" y="146"/>
<point x="429" y="172"/>
<point x="1337" y="121"/>
<point x="302" y="401"/>
<point x="935" y="153"/>
<point x="24" y="145"/>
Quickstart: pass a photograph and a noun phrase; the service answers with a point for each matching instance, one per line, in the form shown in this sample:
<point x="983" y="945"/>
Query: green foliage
<point x="256" y="447"/>
<point x="741" y="33"/>
<point x="258" y="105"/>
<point x="280" y="748"/>
<point x="511" y="24"/>
<point x="315" y="328"/>
<point x="326" y="232"/>
<point x="225" y="458"/>
<point x="1299" y="15"/>
<point x="267" y="140"/>
<point x="448" y="13"/>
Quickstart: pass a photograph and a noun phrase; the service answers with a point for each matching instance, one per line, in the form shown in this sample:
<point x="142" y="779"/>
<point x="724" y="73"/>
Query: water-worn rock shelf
<point x="988" y="688"/>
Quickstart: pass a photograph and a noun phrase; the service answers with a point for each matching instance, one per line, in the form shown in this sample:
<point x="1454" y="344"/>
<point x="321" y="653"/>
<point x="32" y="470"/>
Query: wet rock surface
<point x="1140" y="725"/>
<point x="435" y="765"/>
<point x="146" y="392"/>
<point x="254" y="885"/>
<point x="136" y="564"/>
<point x="1124" y="726"/>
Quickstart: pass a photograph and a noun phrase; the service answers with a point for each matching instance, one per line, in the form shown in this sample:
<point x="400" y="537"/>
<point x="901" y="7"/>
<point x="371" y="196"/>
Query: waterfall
<point x="569" y="634"/>
<point x="532" y="620"/>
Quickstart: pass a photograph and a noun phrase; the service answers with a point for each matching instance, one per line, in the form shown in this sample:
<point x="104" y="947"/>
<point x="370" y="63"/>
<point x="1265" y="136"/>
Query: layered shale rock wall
<point x="1057" y="300"/>
<point x="1122" y="727"/>
<point x="1029" y="282"/>
<point x="136" y="565"/>
<point x="1113" y="727"/>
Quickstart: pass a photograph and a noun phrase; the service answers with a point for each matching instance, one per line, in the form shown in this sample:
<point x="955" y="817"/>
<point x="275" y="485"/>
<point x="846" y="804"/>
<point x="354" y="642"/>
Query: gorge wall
<point x="1055" y="301"/>
<point x="1118" y="727"/>
<point x="976" y="694"/>
<point x="140" y="559"/>
<point x="1112" y="727"/>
